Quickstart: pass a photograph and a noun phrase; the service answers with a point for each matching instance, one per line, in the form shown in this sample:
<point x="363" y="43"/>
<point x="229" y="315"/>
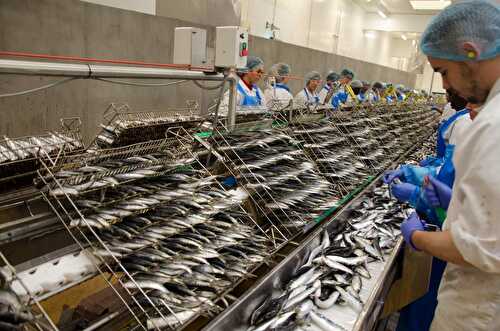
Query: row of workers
<point x="457" y="191"/>
<point x="339" y="89"/>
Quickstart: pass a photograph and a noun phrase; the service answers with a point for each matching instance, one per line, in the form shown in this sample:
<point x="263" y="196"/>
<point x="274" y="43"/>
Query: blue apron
<point x="250" y="100"/>
<point x="361" y="97"/>
<point x="441" y="144"/>
<point x="310" y="97"/>
<point x="418" y="315"/>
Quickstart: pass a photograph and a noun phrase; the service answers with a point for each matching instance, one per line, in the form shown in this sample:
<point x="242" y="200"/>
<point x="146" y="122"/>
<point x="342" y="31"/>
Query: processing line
<point x="166" y="230"/>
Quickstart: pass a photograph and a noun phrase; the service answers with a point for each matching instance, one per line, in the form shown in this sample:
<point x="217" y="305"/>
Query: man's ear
<point x="471" y="50"/>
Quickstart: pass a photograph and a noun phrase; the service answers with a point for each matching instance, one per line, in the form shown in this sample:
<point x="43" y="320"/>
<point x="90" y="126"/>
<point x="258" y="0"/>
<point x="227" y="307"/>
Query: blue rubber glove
<point x="411" y="224"/>
<point x="390" y="175"/>
<point x="405" y="192"/>
<point x="229" y="181"/>
<point x="437" y="193"/>
<point x="428" y="161"/>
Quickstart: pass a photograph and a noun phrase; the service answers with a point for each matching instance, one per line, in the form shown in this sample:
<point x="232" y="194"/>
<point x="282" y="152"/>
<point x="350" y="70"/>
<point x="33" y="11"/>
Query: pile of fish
<point x="185" y="252"/>
<point x="81" y="179"/>
<point x="37" y="146"/>
<point x="132" y="128"/>
<point x="284" y="184"/>
<point x="334" y="271"/>
<point x="347" y="149"/>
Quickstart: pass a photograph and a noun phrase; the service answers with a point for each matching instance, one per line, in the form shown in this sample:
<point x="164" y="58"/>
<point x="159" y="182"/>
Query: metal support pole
<point x="432" y="82"/>
<point x="231" y="113"/>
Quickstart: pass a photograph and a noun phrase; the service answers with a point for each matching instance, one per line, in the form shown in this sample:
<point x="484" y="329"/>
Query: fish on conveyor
<point x="333" y="272"/>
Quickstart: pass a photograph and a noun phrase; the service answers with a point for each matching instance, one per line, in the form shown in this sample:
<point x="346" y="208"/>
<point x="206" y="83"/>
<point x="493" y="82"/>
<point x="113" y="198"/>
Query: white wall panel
<point x="324" y="25"/>
<point x="292" y="17"/>
<point x="414" y="23"/>
<point x="258" y="13"/>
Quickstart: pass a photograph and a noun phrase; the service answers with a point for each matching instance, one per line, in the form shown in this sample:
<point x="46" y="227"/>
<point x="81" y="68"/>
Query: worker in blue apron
<point x="308" y="95"/>
<point x="418" y="315"/>
<point x="326" y="93"/>
<point x="341" y="97"/>
<point x="249" y="94"/>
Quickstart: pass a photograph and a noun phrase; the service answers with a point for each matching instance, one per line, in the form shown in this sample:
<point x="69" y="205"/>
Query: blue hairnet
<point x="313" y="75"/>
<point x="347" y="73"/>
<point x="475" y="21"/>
<point x="280" y="69"/>
<point x="332" y="76"/>
<point x="356" y="83"/>
<point x="253" y="62"/>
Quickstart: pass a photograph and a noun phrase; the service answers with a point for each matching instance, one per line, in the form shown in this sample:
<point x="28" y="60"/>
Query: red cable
<point x="86" y="59"/>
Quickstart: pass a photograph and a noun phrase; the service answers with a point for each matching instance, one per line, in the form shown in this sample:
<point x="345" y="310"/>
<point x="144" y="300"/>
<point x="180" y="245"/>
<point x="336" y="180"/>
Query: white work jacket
<point x="323" y="93"/>
<point x="240" y="97"/>
<point x="277" y="97"/>
<point x="457" y="130"/>
<point x="306" y="97"/>
<point x="469" y="297"/>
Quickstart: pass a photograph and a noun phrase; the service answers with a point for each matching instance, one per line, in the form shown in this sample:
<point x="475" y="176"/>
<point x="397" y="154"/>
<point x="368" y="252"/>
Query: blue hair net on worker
<point x="280" y="69"/>
<point x="347" y="73"/>
<point x="313" y="75"/>
<point x="254" y="62"/>
<point x="332" y="76"/>
<point x="477" y="22"/>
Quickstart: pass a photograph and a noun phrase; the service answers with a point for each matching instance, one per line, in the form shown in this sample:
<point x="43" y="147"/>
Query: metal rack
<point x="125" y="127"/>
<point x="237" y="317"/>
<point x="19" y="157"/>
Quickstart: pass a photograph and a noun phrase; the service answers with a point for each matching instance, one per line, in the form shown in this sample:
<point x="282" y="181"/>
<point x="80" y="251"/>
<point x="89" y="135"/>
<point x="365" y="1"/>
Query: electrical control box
<point x="231" y="46"/>
<point x="190" y="46"/>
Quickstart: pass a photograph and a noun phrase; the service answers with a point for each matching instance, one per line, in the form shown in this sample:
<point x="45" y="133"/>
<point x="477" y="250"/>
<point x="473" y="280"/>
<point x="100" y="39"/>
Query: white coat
<point x="305" y="97"/>
<point x="224" y="105"/>
<point x="457" y="130"/>
<point x="277" y="97"/>
<point x="323" y="93"/>
<point x="469" y="297"/>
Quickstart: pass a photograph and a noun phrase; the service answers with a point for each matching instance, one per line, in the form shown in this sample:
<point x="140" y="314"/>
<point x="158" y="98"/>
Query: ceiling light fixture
<point x="370" y="34"/>
<point x="430" y="4"/>
<point x="404" y="37"/>
<point x="382" y="14"/>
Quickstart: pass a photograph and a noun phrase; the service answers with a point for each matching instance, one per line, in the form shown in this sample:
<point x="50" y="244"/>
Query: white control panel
<point x="231" y="46"/>
<point x="190" y="46"/>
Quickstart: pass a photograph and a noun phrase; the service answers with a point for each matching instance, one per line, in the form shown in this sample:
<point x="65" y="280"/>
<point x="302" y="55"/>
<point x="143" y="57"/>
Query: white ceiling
<point x="394" y="7"/>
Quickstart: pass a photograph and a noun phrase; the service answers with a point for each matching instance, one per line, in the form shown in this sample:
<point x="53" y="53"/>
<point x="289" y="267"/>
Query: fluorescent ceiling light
<point x="429" y="4"/>
<point x="404" y="37"/>
<point x="381" y="13"/>
<point x="370" y="34"/>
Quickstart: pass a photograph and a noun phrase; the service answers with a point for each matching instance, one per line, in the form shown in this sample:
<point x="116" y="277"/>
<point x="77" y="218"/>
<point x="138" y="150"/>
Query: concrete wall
<point x="142" y="6"/>
<point x="72" y="27"/>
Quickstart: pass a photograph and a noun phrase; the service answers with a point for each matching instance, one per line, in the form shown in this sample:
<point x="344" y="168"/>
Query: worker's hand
<point x="390" y="175"/>
<point x="437" y="193"/>
<point x="409" y="226"/>
<point x="405" y="192"/>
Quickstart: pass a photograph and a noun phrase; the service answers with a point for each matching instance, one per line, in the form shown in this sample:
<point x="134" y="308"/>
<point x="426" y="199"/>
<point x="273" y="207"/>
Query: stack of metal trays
<point x="124" y="127"/>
